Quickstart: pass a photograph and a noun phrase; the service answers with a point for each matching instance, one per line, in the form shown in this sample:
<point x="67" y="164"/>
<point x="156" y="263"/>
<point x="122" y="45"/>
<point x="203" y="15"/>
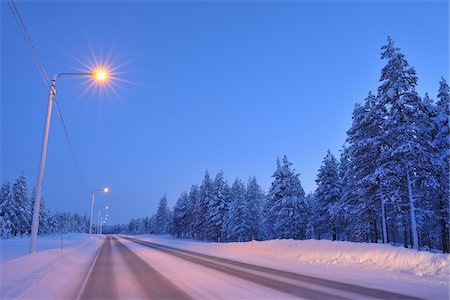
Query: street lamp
<point x="104" y="190"/>
<point x="100" y="220"/>
<point x="99" y="75"/>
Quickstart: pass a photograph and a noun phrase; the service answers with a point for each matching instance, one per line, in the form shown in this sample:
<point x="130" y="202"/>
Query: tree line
<point x="390" y="184"/>
<point x="16" y="210"/>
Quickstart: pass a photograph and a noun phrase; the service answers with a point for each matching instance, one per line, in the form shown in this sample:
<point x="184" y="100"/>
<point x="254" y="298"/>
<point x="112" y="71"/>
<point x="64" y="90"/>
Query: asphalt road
<point x="119" y="273"/>
<point x="294" y="284"/>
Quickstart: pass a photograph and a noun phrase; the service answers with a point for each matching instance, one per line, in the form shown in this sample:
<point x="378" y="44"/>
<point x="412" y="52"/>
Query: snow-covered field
<point x="385" y="267"/>
<point x="49" y="273"/>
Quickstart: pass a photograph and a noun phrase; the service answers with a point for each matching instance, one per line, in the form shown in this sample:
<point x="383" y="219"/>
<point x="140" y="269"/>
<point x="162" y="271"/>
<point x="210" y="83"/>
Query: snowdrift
<point x="348" y="254"/>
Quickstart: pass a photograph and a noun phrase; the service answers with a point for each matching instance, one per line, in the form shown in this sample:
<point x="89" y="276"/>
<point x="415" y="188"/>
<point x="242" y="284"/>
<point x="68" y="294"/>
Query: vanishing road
<point x="129" y="268"/>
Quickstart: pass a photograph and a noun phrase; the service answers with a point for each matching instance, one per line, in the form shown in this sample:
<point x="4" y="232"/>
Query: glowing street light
<point x="99" y="75"/>
<point x="104" y="190"/>
<point x="101" y="220"/>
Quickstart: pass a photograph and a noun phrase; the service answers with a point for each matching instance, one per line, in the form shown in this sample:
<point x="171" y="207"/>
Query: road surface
<point x="118" y="273"/>
<point x="170" y="273"/>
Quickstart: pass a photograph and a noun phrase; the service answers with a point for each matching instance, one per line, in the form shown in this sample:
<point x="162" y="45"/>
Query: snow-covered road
<point x="156" y="267"/>
<point x="206" y="276"/>
<point x="118" y="273"/>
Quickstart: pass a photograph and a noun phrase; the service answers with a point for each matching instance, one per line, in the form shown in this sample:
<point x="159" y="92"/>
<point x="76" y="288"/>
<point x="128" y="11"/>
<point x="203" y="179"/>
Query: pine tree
<point x="407" y="133"/>
<point x="23" y="208"/>
<point x="442" y="162"/>
<point x="194" y="199"/>
<point x="256" y="200"/>
<point x="285" y="209"/>
<point x="238" y="217"/>
<point x="162" y="216"/>
<point x="217" y="208"/>
<point x="328" y="193"/>
<point x="182" y="216"/>
<point x="205" y="197"/>
<point x="7" y="211"/>
<point x="362" y="190"/>
<point x="312" y="210"/>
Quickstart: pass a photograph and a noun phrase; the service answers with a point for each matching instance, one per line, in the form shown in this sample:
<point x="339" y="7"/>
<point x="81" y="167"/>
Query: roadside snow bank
<point x="47" y="274"/>
<point x="350" y="254"/>
<point x="347" y="254"/>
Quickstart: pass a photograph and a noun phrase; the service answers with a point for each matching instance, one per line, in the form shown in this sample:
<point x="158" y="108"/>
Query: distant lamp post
<point x="102" y="221"/>
<point x="104" y="190"/>
<point x="98" y="75"/>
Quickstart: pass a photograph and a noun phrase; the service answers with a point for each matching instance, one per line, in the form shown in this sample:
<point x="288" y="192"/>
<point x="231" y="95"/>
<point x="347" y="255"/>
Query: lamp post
<point x="99" y="75"/>
<point x="100" y="219"/>
<point x="104" y="190"/>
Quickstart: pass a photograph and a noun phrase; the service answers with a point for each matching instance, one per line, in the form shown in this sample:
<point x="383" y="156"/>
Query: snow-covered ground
<point x="384" y="267"/>
<point x="49" y="273"/>
<point x="53" y="274"/>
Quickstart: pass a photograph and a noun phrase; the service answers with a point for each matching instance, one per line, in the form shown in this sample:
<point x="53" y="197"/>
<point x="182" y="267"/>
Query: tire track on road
<point x="101" y="281"/>
<point x="152" y="283"/>
<point x="281" y="286"/>
<point x="104" y="282"/>
<point x="234" y="268"/>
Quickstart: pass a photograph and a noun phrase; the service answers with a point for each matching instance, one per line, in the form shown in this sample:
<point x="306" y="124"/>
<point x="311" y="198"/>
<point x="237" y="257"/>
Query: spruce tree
<point x="328" y="193"/>
<point x="194" y="199"/>
<point x="217" y="208"/>
<point x="442" y="162"/>
<point x="256" y="200"/>
<point x="407" y="134"/>
<point x="8" y="211"/>
<point x="181" y="216"/>
<point x="285" y="209"/>
<point x="162" y="216"/>
<point x="23" y="206"/>
<point x="362" y="190"/>
<point x="204" y="198"/>
<point x="238" y="218"/>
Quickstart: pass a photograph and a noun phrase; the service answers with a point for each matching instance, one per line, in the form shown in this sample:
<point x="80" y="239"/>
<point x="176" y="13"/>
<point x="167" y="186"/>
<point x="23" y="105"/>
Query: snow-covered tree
<point x="194" y="199"/>
<point x="362" y="190"/>
<point x="201" y="211"/>
<point x="407" y="134"/>
<point x="44" y="215"/>
<point x="182" y="216"/>
<point x="217" y="208"/>
<point x="256" y="200"/>
<point x="162" y="216"/>
<point x="238" y="218"/>
<point x="23" y="207"/>
<point x="313" y="216"/>
<point x="328" y="194"/>
<point x="285" y="209"/>
<point x="442" y="162"/>
<point x="7" y="212"/>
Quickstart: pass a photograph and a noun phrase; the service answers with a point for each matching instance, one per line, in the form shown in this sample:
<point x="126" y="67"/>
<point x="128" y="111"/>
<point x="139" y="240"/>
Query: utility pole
<point x="37" y="199"/>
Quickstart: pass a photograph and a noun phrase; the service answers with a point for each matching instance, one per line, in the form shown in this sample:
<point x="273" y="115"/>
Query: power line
<point x="44" y="76"/>
<point x="27" y="37"/>
<point x="69" y="143"/>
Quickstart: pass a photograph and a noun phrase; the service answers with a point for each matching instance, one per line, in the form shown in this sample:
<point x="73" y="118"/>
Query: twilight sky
<point x="200" y="85"/>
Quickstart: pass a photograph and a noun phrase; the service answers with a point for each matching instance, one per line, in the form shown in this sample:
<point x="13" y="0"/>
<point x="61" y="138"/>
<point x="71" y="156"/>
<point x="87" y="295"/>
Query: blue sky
<point x="202" y="85"/>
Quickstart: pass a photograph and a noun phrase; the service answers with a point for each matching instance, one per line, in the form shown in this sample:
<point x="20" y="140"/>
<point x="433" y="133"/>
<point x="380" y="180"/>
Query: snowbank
<point x="348" y="254"/>
<point x="46" y="274"/>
